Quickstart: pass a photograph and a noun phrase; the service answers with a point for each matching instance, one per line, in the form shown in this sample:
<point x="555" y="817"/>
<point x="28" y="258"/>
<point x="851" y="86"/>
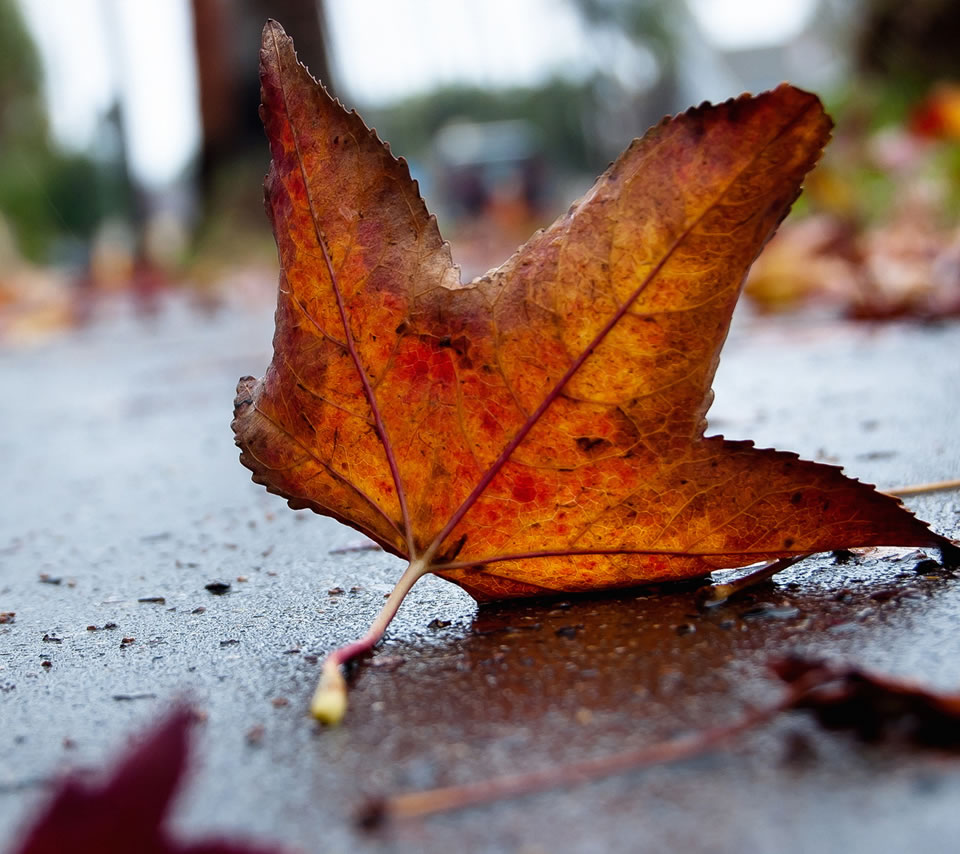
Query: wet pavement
<point x="123" y="499"/>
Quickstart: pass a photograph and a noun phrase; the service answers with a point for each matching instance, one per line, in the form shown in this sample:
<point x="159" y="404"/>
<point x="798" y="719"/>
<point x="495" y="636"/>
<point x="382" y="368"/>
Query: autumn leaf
<point x="874" y="706"/>
<point x="539" y="429"/>
<point x="127" y="812"/>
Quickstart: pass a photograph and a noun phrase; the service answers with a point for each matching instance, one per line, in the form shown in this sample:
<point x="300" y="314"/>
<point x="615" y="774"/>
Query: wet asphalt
<point x="122" y="500"/>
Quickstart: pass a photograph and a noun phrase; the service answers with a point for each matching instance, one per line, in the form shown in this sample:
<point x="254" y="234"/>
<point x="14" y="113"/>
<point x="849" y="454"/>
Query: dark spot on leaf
<point x="592" y="443"/>
<point x="455" y="550"/>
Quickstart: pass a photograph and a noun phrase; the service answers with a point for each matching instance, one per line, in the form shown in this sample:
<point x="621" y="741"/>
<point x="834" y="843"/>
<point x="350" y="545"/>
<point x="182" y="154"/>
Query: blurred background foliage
<point x="45" y="191"/>
<point x="498" y="149"/>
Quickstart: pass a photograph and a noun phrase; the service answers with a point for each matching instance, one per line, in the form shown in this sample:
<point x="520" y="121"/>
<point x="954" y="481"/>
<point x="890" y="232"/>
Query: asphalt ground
<point x="121" y="483"/>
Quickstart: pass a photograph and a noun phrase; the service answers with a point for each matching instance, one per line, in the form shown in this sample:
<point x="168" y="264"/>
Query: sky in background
<point x="139" y="49"/>
<point x="424" y="43"/>
<point x="142" y="50"/>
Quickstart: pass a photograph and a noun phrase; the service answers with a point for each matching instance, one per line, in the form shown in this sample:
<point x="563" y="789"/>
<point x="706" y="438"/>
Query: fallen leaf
<point x="541" y="428"/>
<point x="875" y="707"/>
<point x="127" y="811"/>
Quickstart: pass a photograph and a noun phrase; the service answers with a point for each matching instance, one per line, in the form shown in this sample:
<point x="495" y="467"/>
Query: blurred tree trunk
<point x="227" y="44"/>
<point x="918" y="41"/>
<point x="305" y="22"/>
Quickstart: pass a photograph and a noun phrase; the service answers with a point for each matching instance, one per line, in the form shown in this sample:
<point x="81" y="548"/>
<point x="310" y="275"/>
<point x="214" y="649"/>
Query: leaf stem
<point x="329" y="703"/>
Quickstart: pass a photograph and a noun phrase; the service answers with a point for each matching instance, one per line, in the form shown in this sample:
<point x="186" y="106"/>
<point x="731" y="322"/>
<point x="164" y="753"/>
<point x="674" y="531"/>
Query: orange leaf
<point x="541" y="428"/>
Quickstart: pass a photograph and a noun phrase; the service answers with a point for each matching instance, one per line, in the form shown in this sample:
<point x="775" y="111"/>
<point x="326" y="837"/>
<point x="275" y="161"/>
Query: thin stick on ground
<point x="923" y="488"/>
<point x="419" y="804"/>
<point x="717" y="594"/>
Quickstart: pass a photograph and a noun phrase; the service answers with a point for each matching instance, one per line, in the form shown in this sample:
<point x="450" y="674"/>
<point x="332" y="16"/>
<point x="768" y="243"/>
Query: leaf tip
<point x="271" y="30"/>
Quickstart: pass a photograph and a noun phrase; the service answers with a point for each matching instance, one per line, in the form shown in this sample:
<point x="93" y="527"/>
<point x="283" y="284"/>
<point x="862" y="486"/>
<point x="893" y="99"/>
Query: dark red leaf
<point x="875" y="707"/>
<point x="125" y="813"/>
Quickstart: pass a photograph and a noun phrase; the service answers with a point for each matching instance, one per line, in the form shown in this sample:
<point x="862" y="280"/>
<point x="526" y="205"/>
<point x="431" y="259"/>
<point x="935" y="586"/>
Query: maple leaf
<point x="539" y="429"/>
<point x="126" y="812"/>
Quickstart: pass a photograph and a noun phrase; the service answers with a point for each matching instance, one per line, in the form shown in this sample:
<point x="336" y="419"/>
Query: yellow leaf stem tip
<point x="329" y="703"/>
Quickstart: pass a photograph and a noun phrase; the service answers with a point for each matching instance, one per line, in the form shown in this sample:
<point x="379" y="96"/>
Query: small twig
<point x="717" y="594"/>
<point x="419" y="804"/>
<point x="923" y="488"/>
